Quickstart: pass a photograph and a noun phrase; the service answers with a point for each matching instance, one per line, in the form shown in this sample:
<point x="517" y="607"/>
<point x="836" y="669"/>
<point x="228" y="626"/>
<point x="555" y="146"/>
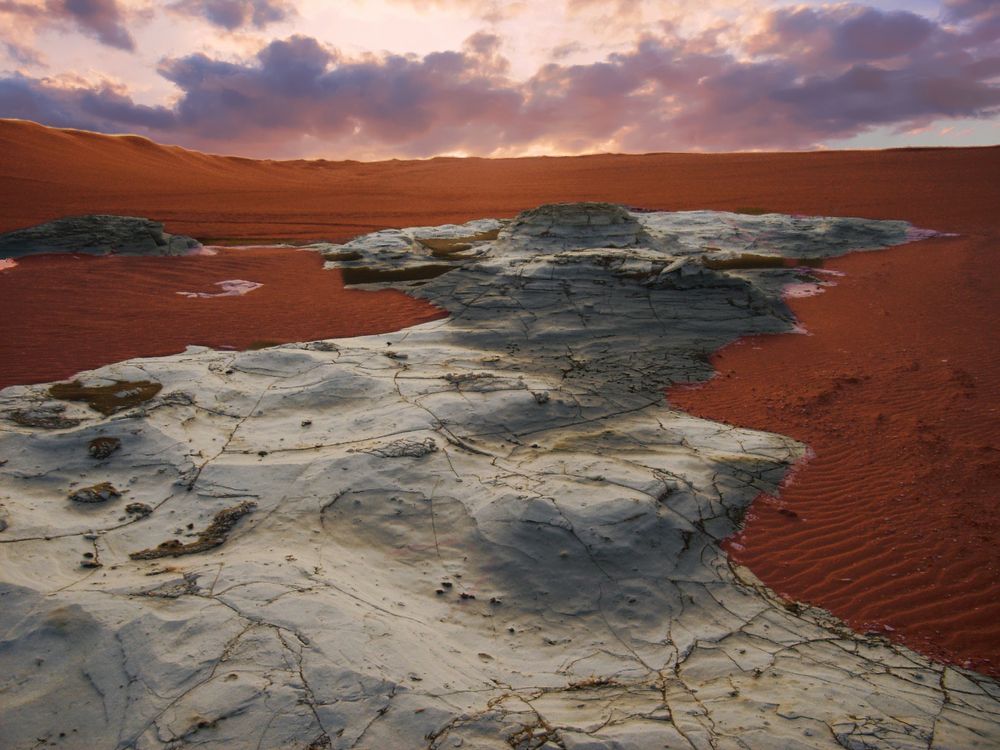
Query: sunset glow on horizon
<point x="372" y="79"/>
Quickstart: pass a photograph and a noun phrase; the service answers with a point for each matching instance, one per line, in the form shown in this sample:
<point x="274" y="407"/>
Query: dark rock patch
<point x="744" y="261"/>
<point x="140" y="510"/>
<point x="96" y="234"/>
<point x="46" y="418"/>
<point x="213" y="536"/>
<point x="342" y="257"/>
<point x="102" y="447"/>
<point x="366" y="275"/>
<point x="99" y="493"/>
<point x="176" y="588"/>
<point x="107" y="399"/>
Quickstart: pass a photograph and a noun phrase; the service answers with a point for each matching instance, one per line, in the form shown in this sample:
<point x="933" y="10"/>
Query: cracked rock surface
<point x="96" y="234"/>
<point x="488" y="531"/>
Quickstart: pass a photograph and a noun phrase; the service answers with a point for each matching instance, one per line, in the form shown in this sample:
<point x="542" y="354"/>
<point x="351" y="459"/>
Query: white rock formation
<point x="228" y="288"/>
<point x="488" y="531"/>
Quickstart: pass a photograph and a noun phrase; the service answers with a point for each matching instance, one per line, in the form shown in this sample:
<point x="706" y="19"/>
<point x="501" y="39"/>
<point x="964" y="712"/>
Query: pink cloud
<point x="103" y="20"/>
<point x="235" y="14"/>
<point x="808" y="76"/>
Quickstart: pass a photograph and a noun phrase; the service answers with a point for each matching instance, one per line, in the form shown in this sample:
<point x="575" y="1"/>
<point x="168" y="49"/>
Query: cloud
<point x="235" y="14"/>
<point x="23" y="54"/>
<point x="808" y="76"/>
<point x="979" y="19"/>
<point x="965" y="9"/>
<point x="103" y="20"/>
<point x="624" y="7"/>
<point x="296" y="87"/>
<point x="491" y="11"/>
<point x="22" y="9"/>
<point x="78" y="104"/>
<point x="841" y="34"/>
<point x="874" y="35"/>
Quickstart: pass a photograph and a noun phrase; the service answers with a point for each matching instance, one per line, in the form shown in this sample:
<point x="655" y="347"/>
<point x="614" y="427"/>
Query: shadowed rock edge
<point x="579" y="510"/>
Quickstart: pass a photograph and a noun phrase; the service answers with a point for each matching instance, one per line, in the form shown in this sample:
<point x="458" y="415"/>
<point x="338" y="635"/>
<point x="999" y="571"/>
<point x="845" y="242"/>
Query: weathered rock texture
<point x="96" y="235"/>
<point x="484" y="532"/>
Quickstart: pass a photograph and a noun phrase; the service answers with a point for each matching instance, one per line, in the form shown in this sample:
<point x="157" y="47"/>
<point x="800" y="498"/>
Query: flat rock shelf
<point x="487" y="531"/>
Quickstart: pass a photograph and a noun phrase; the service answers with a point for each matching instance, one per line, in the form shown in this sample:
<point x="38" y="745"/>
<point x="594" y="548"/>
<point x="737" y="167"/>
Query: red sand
<point x="889" y="324"/>
<point x="893" y="525"/>
<point x="66" y="313"/>
<point x="47" y="173"/>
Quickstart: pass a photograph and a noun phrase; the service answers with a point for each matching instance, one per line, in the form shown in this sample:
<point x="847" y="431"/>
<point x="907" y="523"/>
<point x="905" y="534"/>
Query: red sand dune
<point x="893" y="525"/>
<point x="911" y="493"/>
<point x="46" y="173"/>
<point x="66" y="313"/>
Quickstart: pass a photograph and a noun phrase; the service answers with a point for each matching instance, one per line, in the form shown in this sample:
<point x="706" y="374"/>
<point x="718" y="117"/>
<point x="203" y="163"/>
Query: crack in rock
<point x="500" y="536"/>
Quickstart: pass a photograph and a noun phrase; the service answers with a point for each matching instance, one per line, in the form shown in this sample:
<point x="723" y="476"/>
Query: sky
<point x="377" y="79"/>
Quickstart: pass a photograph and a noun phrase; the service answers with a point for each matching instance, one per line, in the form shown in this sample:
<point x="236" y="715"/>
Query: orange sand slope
<point x="47" y="173"/>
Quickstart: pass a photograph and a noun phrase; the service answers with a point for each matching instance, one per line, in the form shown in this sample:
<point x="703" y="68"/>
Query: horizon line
<point x="323" y="159"/>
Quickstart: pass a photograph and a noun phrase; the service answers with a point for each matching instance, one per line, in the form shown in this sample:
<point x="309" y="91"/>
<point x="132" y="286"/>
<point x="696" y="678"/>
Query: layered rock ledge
<point x="488" y="531"/>
<point x="96" y="234"/>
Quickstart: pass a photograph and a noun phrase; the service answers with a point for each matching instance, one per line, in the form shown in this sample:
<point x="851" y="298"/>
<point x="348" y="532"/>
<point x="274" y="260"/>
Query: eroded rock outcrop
<point x="499" y="536"/>
<point x="96" y="234"/>
<point x="577" y="225"/>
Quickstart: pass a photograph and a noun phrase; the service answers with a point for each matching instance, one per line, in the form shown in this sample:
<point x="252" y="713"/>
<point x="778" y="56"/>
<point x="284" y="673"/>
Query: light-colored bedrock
<point x="489" y="531"/>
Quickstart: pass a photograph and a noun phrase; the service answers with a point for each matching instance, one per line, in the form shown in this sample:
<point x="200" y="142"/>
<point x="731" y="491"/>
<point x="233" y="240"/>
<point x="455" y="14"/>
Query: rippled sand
<point x="63" y="314"/>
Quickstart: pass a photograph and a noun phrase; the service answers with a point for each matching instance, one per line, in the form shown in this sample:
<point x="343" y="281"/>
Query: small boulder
<point x="102" y="447"/>
<point x="96" y="234"/>
<point x="140" y="510"/>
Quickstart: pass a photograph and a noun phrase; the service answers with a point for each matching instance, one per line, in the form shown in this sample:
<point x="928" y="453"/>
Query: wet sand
<point x="66" y="313"/>
<point x="903" y="504"/>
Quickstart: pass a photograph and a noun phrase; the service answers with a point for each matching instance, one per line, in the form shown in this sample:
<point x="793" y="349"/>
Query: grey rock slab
<point x="96" y="234"/>
<point x="438" y="557"/>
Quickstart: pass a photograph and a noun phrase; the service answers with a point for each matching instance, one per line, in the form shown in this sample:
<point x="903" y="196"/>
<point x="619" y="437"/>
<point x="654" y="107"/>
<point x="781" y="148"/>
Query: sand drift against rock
<point x="488" y="531"/>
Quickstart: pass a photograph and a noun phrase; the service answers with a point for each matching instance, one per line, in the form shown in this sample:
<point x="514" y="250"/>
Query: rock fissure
<point x="520" y="452"/>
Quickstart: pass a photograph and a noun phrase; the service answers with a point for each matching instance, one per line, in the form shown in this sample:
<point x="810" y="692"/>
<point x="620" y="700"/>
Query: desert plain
<point x="617" y="451"/>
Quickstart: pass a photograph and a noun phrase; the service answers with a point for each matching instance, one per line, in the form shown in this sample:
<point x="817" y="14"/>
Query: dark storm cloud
<point x="235" y="14"/>
<point x="809" y="76"/>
